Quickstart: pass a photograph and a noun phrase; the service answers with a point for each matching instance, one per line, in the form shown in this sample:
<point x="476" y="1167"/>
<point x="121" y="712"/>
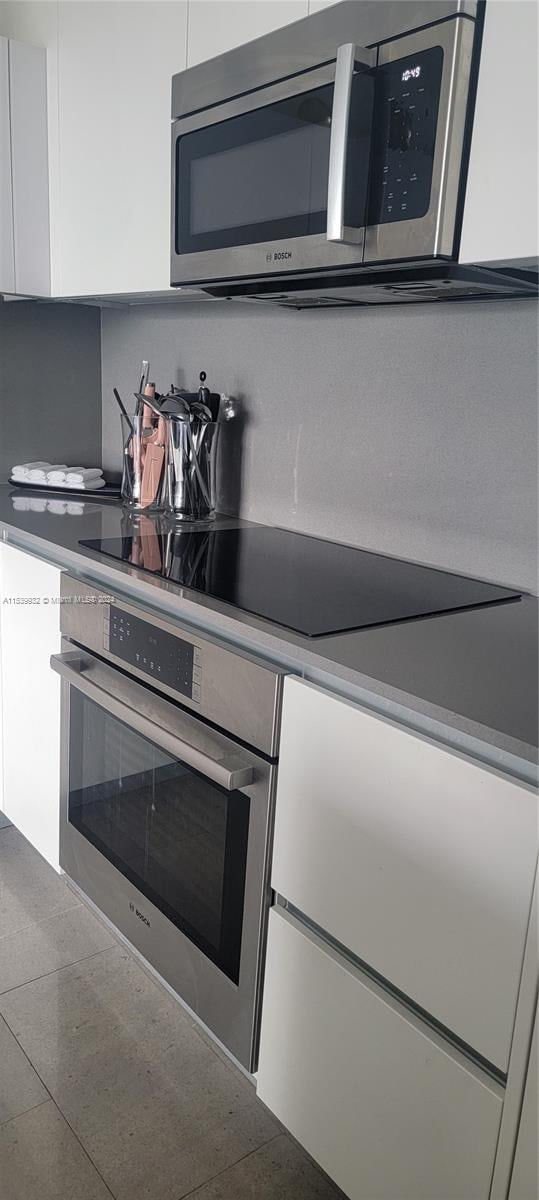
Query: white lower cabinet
<point x="29" y="634"/>
<point x="525" y="1173"/>
<point x="385" y="1108"/>
<point x="418" y="860"/>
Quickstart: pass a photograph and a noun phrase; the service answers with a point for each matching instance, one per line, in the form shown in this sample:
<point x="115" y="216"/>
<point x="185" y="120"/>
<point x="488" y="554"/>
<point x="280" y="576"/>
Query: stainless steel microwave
<point x="334" y="143"/>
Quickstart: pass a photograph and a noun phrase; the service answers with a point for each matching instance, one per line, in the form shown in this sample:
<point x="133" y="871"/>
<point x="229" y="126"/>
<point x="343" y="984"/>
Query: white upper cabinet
<point x="218" y="25"/>
<point x="116" y="62"/>
<point x="7" y="256"/>
<point x="110" y="67"/>
<point x="29" y="168"/>
<point x="500" y="210"/>
<point x="24" y="175"/>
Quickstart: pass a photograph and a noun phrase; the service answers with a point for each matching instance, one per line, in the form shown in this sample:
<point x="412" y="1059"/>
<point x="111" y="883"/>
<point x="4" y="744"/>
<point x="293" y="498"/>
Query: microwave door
<point x="277" y="180"/>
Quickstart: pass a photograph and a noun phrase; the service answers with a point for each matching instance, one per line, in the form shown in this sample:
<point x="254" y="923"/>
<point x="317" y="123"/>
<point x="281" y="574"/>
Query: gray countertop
<point x="469" y="679"/>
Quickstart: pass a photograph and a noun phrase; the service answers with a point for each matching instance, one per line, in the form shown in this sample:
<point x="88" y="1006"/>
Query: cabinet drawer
<point x="379" y="1103"/>
<point x="416" y="859"/>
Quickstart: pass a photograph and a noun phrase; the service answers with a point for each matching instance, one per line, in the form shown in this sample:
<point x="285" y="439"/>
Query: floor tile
<point x="20" y="1088"/>
<point x="29" y="888"/>
<point x="158" y="1112"/>
<point x="49" y="945"/>
<point x="4" y="823"/>
<point x="41" y="1159"/>
<point x="277" y="1171"/>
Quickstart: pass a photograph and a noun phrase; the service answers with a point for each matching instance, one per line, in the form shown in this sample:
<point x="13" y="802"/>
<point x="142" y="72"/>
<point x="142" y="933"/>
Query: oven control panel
<point x="165" y="658"/>
<point x="406" y="119"/>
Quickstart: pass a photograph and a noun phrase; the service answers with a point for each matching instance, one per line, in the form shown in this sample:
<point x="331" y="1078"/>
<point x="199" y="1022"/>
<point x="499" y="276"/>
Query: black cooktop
<point x="311" y="586"/>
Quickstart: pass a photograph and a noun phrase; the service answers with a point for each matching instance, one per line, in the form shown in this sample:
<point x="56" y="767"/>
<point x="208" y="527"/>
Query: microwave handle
<point x="349" y="57"/>
<point x="234" y="775"/>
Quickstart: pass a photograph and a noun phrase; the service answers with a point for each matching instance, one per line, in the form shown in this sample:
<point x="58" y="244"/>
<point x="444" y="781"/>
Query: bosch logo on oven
<point x="141" y="917"/>
<point x="278" y="255"/>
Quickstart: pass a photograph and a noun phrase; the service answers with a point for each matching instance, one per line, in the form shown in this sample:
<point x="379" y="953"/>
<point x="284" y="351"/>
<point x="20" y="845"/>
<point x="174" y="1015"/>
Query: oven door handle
<point x="349" y="58"/>
<point x="230" y="771"/>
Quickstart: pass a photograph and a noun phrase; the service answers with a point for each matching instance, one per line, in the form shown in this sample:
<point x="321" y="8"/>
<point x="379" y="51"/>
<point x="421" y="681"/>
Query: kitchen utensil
<point x="175" y="405"/>
<point x="150" y="405"/>
<point x="145" y="375"/>
<point x="210" y="399"/>
<point x="121" y="404"/>
<point x="154" y="462"/>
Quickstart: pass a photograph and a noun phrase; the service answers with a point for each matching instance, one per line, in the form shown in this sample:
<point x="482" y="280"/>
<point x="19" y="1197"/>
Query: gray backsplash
<point x="410" y="431"/>
<point x="50" y="386"/>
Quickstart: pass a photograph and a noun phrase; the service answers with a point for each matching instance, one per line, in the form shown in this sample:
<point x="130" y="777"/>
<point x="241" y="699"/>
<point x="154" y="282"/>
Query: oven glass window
<point x="178" y="837"/>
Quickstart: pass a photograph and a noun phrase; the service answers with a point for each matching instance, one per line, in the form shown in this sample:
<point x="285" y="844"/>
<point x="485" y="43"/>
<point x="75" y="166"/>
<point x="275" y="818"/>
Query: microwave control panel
<point x="406" y="118"/>
<point x="163" y="657"/>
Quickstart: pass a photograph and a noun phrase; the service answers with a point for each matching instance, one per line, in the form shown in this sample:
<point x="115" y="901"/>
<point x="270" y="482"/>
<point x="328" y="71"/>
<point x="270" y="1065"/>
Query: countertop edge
<point x="489" y="746"/>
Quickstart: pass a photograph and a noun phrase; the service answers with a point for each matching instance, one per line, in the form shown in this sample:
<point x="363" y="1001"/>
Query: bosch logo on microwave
<point x="278" y="255"/>
<point x="138" y="913"/>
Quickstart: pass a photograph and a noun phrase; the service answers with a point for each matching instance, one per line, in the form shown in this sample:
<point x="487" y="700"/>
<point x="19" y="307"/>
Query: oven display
<point x="162" y="656"/>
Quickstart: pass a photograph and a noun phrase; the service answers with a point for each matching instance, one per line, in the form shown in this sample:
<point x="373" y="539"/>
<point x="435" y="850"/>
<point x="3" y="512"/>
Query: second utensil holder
<point x="188" y="484"/>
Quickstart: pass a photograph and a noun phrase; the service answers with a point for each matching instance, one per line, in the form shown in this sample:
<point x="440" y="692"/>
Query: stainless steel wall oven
<point x="165" y="817"/>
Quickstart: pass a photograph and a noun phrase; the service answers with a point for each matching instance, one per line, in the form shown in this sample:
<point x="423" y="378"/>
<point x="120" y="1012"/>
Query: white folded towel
<point x="77" y="475"/>
<point x="21" y="503"/>
<point x="57" y="506"/>
<point x="92" y="486"/>
<point x="40" y="475"/>
<point x="22" y="469"/>
<point x="75" y="508"/>
<point x="38" y="505"/>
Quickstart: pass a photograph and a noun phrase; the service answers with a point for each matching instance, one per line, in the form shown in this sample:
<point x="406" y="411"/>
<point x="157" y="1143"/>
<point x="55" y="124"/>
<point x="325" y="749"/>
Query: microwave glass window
<point x="263" y="176"/>
<point x="256" y="177"/>
<point x="282" y="177"/>
<point x="178" y="837"/>
<point x="407" y="101"/>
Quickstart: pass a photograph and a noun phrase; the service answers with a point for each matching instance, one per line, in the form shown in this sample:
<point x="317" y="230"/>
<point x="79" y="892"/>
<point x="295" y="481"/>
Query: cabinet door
<point x="116" y="62"/>
<point x="30" y="168"/>
<point x="385" y="1109"/>
<point x="30" y="633"/>
<point x="491" y="229"/>
<point x="419" y="861"/>
<point x="216" y="26"/>
<point x="7" y="262"/>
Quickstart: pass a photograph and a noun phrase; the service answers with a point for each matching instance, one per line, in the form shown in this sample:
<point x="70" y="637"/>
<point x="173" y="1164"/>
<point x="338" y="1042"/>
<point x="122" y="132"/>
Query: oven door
<point x="164" y="825"/>
<point x="277" y="179"/>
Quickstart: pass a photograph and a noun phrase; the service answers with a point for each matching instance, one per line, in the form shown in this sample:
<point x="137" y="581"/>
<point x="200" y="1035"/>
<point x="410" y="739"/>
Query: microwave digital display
<point x="410" y="73"/>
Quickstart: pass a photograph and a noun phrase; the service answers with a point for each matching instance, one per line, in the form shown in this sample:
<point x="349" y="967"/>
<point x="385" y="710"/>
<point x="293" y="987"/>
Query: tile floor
<point x="107" y="1088"/>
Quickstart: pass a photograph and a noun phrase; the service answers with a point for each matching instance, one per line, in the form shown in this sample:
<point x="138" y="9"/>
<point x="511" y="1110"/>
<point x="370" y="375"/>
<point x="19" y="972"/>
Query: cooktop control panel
<point x="167" y="659"/>
<point x="407" y="101"/>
